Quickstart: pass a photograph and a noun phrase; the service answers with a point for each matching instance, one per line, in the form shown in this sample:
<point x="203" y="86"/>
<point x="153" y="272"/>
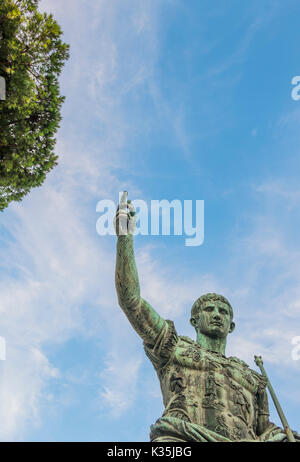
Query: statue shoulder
<point x="238" y="362"/>
<point x="187" y="346"/>
<point x="186" y="340"/>
<point x="259" y="379"/>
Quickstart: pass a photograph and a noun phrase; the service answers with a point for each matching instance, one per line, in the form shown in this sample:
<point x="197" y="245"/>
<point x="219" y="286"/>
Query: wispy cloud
<point x="280" y="190"/>
<point x="57" y="276"/>
<point x="257" y="18"/>
<point x="119" y="383"/>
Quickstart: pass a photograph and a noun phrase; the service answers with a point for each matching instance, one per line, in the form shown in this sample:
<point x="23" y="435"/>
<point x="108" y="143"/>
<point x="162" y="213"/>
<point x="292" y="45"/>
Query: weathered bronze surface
<point x="207" y="396"/>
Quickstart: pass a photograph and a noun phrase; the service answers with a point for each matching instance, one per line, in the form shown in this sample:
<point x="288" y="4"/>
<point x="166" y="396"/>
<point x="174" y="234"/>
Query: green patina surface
<point x="207" y="396"/>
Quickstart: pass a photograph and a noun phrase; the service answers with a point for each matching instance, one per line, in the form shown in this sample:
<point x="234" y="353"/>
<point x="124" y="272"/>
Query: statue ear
<point x="232" y="326"/>
<point x="193" y="322"/>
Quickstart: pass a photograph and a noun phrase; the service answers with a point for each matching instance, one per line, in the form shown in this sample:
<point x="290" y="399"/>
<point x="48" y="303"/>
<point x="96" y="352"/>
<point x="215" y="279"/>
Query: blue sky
<point x="169" y="100"/>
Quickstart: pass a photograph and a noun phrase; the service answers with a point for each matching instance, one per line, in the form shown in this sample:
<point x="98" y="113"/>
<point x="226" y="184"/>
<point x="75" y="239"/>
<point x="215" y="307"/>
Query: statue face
<point x="214" y="319"/>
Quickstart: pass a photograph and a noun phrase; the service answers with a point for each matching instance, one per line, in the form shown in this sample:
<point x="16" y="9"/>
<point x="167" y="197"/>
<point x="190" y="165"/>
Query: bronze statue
<point x="207" y="396"/>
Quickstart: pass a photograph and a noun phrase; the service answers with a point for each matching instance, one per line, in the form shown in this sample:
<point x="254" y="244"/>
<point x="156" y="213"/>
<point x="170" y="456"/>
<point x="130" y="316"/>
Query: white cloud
<point x="280" y="190"/>
<point x="119" y="383"/>
<point x="57" y="277"/>
<point x="23" y="377"/>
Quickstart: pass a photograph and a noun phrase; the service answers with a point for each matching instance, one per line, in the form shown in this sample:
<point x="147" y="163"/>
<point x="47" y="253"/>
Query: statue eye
<point x="209" y="308"/>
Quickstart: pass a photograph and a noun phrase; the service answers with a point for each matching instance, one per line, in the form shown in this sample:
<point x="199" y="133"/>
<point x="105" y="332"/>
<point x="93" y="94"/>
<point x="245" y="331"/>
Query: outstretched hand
<point x="125" y="219"/>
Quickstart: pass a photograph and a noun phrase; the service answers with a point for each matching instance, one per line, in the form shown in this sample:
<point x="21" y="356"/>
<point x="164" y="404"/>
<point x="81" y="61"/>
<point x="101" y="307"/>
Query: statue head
<point x="212" y="316"/>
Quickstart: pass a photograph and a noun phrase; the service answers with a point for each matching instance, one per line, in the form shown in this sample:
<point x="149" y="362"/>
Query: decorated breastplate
<point x="208" y="389"/>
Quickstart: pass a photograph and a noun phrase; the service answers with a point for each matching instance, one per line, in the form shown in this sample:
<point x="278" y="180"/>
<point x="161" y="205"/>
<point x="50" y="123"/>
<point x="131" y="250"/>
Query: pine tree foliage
<point x="32" y="55"/>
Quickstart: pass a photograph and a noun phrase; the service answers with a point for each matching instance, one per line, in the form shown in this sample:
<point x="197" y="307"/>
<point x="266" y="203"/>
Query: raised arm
<point x="144" y="319"/>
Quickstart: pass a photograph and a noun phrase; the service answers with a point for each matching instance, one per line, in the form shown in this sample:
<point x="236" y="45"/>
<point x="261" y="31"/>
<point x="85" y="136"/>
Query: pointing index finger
<point x="123" y="200"/>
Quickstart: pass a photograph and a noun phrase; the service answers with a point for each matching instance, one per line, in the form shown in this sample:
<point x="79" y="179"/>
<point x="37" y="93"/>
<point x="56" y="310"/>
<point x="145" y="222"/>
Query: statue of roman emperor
<point x="207" y="396"/>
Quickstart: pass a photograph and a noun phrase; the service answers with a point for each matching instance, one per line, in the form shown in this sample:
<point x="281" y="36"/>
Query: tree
<point x="32" y="56"/>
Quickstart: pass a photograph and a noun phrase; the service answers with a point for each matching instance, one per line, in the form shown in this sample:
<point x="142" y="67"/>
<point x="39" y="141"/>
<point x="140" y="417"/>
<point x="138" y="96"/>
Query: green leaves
<point x="32" y="56"/>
